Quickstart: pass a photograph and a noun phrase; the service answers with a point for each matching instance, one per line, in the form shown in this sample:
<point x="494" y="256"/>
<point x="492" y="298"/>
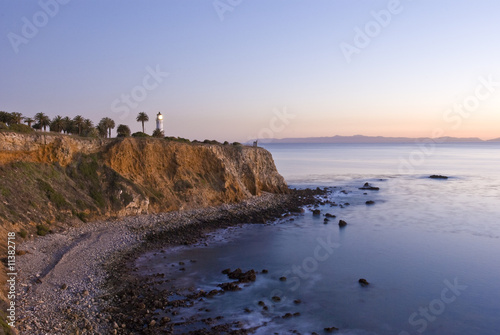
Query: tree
<point x="158" y="133"/>
<point x="108" y="124"/>
<point x="102" y="130"/>
<point x="5" y="117"/>
<point x="28" y="120"/>
<point x="142" y="117"/>
<point x="16" y="118"/>
<point x="87" y="127"/>
<point x="78" y="121"/>
<point x="43" y="120"/>
<point x="123" y="131"/>
<point x="57" y="124"/>
<point x="67" y="124"/>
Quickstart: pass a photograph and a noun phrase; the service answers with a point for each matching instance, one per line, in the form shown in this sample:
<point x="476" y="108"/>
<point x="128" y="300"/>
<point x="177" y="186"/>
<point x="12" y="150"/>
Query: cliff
<point x="50" y="181"/>
<point x="54" y="178"/>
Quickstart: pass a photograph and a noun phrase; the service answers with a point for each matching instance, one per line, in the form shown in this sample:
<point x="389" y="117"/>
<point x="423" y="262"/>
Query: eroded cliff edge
<point x="55" y="178"/>
<point x="50" y="181"/>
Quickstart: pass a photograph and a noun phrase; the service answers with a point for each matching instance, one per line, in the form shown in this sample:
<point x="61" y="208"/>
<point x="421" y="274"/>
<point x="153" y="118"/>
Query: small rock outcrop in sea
<point x="370" y="202"/>
<point x="342" y="223"/>
<point x="363" y="282"/>
<point x="240" y="276"/>
<point x="328" y="215"/>
<point x="437" y="176"/>
<point x="330" y="329"/>
<point x="367" y="186"/>
<point x="229" y="287"/>
<point x="316" y="212"/>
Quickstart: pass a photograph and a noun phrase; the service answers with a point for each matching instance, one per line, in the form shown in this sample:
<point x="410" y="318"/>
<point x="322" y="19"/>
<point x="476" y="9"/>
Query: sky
<point x="241" y="69"/>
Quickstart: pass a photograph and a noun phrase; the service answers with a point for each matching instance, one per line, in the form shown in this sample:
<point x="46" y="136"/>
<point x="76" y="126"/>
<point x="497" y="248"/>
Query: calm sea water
<point x="429" y="248"/>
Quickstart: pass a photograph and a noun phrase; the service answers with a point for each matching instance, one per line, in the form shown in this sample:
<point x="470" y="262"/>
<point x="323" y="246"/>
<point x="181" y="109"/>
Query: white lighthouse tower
<point x="159" y="121"/>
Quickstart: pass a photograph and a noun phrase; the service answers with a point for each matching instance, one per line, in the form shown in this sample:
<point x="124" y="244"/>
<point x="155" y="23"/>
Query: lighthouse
<point x="159" y="121"/>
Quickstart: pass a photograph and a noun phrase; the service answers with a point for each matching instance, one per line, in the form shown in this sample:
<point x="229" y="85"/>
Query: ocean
<point x="428" y="247"/>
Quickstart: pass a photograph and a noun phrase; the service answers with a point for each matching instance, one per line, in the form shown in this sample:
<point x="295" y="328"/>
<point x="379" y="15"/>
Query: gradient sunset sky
<point x="335" y="67"/>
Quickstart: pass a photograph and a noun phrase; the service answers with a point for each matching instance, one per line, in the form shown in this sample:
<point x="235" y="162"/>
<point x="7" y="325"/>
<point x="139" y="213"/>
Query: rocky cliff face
<point x="44" y="148"/>
<point x="177" y="176"/>
<point x="48" y="181"/>
<point x="54" y="178"/>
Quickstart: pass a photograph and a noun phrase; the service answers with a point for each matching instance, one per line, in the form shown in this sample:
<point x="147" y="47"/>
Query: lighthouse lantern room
<point x="159" y="121"/>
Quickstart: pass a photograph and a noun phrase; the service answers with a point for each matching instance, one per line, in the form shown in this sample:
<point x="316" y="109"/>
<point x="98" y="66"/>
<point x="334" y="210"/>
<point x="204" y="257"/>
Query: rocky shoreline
<point x="80" y="281"/>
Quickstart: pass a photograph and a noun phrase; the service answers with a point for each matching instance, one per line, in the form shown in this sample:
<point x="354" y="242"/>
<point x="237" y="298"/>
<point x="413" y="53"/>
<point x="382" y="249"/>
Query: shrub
<point x="55" y="197"/>
<point x="140" y="134"/>
<point x="126" y="198"/>
<point x="123" y="131"/>
<point x="158" y="133"/>
<point x="42" y="230"/>
<point x="177" y="139"/>
<point x="82" y="216"/>
<point x="237" y="144"/>
<point x="3" y="126"/>
<point x="21" y="128"/>
<point x="211" y="142"/>
<point x="23" y="233"/>
<point x="98" y="197"/>
<point x="182" y="185"/>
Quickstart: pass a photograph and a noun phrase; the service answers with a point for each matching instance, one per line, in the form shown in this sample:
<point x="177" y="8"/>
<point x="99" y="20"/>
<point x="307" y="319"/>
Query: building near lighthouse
<point x="159" y="121"/>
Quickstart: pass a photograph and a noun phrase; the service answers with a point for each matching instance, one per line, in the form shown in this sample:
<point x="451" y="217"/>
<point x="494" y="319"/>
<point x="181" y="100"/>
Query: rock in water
<point x="370" y="202"/>
<point x="367" y="186"/>
<point x="437" y="176"/>
<point x="316" y="212"/>
<point x="363" y="282"/>
<point x="342" y="223"/>
<point x="330" y="329"/>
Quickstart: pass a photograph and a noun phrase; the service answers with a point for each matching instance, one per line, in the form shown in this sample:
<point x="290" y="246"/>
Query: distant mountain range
<point x="373" y="139"/>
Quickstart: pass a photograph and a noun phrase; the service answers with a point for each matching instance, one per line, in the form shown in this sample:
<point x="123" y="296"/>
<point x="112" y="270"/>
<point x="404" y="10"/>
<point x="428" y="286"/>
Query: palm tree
<point x="43" y="120"/>
<point x="108" y="124"/>
<point x="102" y="130"/>
<point x="78" y="120"/>
<point x="16" y="118"/>
<point x="57" y="124"/>
<point x="142" y="117"/>
<point x="87" y="126"/>
<point x="67" y="124"/>
<point x="28" y="120"/>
